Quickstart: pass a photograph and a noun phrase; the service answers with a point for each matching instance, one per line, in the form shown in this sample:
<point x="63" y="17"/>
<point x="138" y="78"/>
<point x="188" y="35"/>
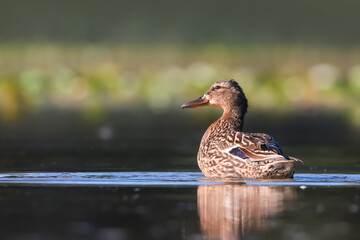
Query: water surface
<point x="140" y="179"/>
<point x="177" y="205"/>
<point x="64" y="181"/>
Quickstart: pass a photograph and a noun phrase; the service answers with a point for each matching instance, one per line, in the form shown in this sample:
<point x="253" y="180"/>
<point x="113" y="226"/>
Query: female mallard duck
<point x="228" y="152"/>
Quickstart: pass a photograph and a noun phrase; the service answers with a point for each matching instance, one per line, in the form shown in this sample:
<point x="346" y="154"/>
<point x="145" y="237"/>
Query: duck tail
<point x="296" y="160"/>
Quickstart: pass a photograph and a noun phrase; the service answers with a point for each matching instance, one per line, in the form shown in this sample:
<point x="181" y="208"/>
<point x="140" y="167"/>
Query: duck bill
<point x="201" y="101"/>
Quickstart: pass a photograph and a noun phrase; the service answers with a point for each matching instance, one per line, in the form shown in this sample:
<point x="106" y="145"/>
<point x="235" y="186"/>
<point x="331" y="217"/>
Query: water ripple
<point x="64" y="179"/>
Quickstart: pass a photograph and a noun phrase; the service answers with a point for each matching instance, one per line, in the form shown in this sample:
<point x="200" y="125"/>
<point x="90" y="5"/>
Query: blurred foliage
<point x="182" y="22"/>
<point x="157" y="54"/>
<point x="93" y="78"/>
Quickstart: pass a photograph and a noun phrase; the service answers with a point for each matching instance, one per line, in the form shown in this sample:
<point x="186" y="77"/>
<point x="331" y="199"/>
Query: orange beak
<point x="201" y="101"/>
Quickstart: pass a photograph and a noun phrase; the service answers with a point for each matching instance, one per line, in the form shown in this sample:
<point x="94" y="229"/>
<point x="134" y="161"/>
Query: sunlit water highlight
<point x="66" y="179"/>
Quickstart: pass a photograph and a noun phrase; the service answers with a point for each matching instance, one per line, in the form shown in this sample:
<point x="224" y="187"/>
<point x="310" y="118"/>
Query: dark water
<point x="145" y="141"/>
<point x="132" y="176"/>
<point x="177" y="205"/>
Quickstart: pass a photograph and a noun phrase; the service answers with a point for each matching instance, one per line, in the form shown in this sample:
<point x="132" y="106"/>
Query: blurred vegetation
<point x="97" y="84"/>
<point x="92" y="78"/>
<point x="321" y="22"/>
<point x="155" y="55"/>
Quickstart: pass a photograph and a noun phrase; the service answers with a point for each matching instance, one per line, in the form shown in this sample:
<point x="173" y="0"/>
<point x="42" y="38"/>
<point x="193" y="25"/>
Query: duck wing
<point x="256" y="146"/>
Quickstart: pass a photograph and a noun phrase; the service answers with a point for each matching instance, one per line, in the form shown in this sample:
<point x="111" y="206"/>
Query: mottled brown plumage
<point x="228" y="152"/>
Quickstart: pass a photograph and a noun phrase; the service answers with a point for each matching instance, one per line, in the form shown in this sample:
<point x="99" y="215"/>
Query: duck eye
<point x="217" y="87"/>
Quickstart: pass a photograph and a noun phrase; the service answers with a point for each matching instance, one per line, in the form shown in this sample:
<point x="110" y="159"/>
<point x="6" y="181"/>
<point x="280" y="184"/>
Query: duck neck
<point x="235" y="117"/>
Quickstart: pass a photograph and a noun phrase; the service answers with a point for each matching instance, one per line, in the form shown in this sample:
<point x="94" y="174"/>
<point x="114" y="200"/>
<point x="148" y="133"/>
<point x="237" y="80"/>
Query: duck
<point x="226" y="151"/>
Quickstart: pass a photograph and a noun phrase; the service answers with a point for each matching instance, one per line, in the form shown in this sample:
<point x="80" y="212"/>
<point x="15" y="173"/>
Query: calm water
<point x="135" y="177"/>
<point x="177" y="205"/>
<point x="166" y="179"/>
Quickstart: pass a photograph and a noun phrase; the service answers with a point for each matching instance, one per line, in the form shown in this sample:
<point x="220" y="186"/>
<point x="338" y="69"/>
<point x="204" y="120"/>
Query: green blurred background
<point x="105" y="79"/>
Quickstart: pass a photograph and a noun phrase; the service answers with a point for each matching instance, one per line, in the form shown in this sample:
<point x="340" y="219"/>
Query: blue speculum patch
<point x="237" y="152"/>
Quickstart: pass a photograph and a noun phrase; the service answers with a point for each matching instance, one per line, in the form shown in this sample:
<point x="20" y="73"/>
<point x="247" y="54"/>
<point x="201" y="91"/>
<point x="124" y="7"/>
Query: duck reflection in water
<point x="228" y="211"/>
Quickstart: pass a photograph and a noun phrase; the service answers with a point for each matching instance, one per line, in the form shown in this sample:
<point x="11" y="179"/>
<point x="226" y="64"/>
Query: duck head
<point x="225" y="94"/>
